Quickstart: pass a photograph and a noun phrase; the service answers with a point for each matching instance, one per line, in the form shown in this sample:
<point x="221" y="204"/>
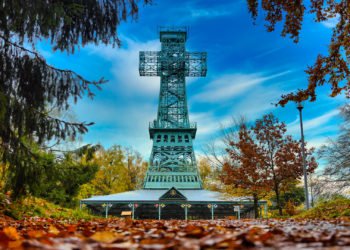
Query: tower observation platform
<point x="172" y="187"/>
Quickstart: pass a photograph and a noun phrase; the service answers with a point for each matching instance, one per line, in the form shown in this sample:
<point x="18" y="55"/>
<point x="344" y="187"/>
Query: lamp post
<point x="300" y="107"/>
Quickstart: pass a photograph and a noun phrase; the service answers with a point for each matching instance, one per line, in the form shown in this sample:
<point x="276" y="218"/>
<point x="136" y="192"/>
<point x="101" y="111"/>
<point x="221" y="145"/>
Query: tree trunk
<point x="278" y="200"/>
<point x="256" y="208"/>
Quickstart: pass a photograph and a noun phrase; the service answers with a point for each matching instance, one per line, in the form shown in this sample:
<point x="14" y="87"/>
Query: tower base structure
<point x="173" y="203"/>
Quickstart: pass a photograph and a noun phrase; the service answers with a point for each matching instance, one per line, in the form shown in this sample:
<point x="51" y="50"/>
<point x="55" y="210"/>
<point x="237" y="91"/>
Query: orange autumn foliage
<point x="332" y="69"/>
<point x="246" y="171"/>
<point x="265" y="159"/>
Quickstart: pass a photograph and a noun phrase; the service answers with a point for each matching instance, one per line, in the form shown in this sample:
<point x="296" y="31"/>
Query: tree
<point x="265" y="158"/>
<point x="280" y="154"/>
<point x="209" y="175"/>
<point x="246" y="171"/>
<point x="215" y="151"/>
<point x="292" y="195"/>
<point x="337" y="153"/>
<point x="119" y="170"/>
<point x="28" y="85"/>
<point x="332" y="69"/>
<point x="205" y="172"/>
<point x="317" y="185"/>
<point x="136" y="169"/>
<point x="56" y="178"/>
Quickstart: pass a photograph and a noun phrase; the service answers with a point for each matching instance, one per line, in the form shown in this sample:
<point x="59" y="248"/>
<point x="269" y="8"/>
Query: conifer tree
<point x="28" y="85"/>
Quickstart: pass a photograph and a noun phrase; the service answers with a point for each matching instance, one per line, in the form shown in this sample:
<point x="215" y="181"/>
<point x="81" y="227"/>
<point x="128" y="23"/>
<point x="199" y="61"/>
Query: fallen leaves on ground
<point x="40" y="233"/>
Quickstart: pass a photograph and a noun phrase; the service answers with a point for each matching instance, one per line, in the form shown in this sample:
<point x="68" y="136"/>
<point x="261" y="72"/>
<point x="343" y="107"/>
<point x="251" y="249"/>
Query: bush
<point x="32" y="206"/>
<point x="338" y="208"/>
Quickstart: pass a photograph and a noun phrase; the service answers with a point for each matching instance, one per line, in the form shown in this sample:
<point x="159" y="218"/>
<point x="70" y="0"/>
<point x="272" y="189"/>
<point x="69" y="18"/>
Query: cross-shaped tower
<point x="172" y="162"/>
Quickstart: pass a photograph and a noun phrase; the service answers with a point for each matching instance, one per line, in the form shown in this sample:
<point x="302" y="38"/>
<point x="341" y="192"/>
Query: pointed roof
<point x="173" y="194"/>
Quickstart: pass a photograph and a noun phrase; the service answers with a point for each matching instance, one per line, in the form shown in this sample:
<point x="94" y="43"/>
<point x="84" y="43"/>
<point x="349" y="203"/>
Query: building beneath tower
<point x="172" y="187"/>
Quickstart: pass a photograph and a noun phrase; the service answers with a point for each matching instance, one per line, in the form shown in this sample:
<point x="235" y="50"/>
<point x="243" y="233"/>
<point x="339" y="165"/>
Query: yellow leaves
<point x="35" y="234"/>
<point x="53" y="230"/>
<point x="11" y="233"/>
<point x="120" y="170"/>
<point x="105" y="237"/>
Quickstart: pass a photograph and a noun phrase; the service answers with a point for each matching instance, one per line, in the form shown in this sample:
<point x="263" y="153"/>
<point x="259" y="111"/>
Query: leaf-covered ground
<point x="39" y="233"/>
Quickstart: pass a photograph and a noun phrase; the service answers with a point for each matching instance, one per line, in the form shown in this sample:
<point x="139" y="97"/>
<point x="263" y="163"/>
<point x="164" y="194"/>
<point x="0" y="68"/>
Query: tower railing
<point x="157" y="125"/>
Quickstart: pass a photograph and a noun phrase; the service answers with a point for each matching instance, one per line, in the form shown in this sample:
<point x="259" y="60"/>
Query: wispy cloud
<point x="268" y="52"/>
<point x="194" y="10"/>
<point x="312" y="124"/>
<point x="331" y="22"/>
<point x="118" y="124"/>
<point x="125" y="67"/>
<point x="229" y="86"/>
<point x="207" y="123"/>
<point x="210" y="13"/>
<point x="128" y="102"/>
<point x="317" y="142"/>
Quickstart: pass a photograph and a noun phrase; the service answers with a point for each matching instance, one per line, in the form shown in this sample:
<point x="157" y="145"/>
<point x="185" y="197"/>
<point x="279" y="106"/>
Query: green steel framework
<point x="172" y="162"/>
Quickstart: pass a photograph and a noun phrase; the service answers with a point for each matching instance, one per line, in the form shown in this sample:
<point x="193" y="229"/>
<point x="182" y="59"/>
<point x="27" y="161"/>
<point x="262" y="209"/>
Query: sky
<point x="248" y="70"/>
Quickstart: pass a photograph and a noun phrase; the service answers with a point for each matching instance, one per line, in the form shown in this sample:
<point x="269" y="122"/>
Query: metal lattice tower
<point x="172" y="162"/>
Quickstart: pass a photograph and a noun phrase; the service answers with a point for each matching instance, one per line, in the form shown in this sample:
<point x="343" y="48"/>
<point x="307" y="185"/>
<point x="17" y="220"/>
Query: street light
<point x="300" y="107"/>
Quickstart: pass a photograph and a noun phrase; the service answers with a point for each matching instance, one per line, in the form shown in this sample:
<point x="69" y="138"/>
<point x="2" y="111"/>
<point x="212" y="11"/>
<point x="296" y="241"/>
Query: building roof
<point x="195" y="195"/>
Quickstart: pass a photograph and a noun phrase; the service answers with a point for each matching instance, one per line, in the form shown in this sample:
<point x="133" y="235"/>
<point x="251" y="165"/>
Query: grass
<point x="338" y="208"/>
<point x="32" y="206"/>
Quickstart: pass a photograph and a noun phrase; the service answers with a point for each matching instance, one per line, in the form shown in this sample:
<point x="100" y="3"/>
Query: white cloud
<point x="125" y="67"/>
<point x="122" y="116"/>
<point x="196" y="13"/>
<point x="194" y="10"/>
<point x="268" y="52"/>
<point x="313" y="124"/>
<point x="125" y="125"/>
<point x="206" y="122"/>
<point x="321" y="120"/>
<point x="257" y="102"/>
<point x="331" y="22"/>
<point x="317" y="142"/>
<point x="229" y="86"/>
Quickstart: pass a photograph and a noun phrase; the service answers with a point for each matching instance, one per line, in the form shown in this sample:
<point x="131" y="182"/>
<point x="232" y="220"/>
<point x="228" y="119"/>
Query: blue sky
<point x="248" y="69"/>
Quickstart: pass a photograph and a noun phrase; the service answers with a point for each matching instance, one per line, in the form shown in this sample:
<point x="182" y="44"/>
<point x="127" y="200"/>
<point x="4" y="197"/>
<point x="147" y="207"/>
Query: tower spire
<point x="172" y="162"/>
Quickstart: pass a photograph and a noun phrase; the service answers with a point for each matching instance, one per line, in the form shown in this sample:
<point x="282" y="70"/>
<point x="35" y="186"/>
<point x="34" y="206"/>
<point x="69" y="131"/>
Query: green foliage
<point x="291" y="193"/>
<point x="337" y="208"/>
<point x="119" y="170"/>
<point x="329" y="196"/>
<point x="66" y="23"/>
<point x="209" y="175"/>
<point x="31" y="206"/>
<point x="63" y="185"/>
<point x="56" y="179"/>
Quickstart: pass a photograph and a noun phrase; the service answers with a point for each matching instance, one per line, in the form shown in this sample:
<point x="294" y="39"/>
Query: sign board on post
<point x="236" y="208"/>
